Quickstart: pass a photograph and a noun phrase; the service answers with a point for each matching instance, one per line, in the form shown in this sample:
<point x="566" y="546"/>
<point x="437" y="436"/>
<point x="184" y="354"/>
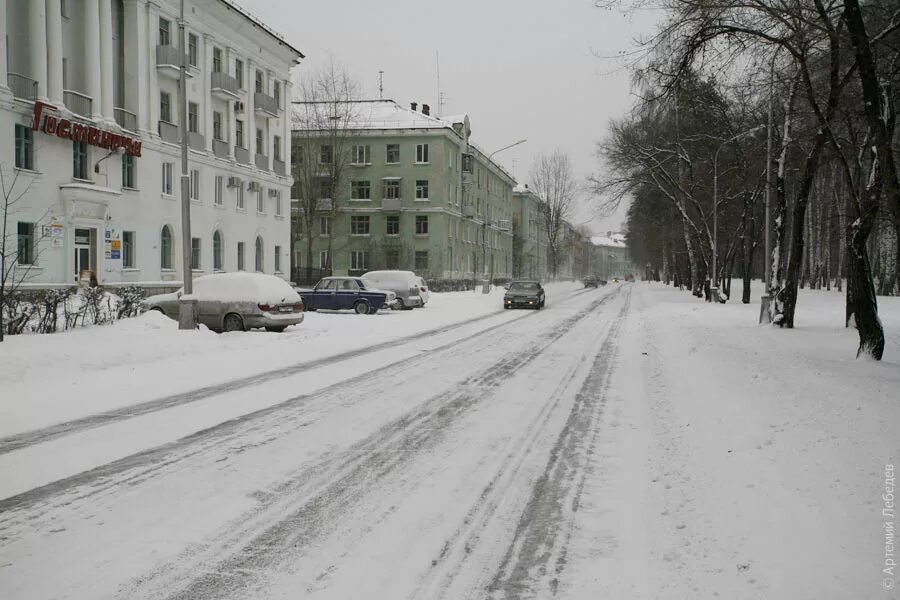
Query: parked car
<point x="590" y="281"/>
<point x="237" y="302"/>
<point x="337" y="293"/>
<point x="403" y="283"/>
<point x="526" y="294"/>
<point x="423" y="290"/>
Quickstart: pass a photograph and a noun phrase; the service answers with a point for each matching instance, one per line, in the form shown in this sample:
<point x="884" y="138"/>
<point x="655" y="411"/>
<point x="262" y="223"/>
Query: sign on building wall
<point x="80" y="132"/>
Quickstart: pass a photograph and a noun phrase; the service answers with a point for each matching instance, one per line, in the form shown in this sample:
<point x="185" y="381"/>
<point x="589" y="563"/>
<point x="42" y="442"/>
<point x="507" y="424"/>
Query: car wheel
<point x="506" y="306"/>
<point x="233" y="322"/>
<point x="400" y="305"/>
<point x="361" y="308"/>
<point x="277" y="329"/>
<point x="157" y="309"/>
<point x="373" y="310"/>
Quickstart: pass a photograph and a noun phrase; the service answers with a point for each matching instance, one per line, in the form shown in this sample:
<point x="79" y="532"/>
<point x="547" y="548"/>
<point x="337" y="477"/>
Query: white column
<point x="137" y="68"/>
<point x="286" y="119"/>
<point x="206" y="74"/>
<point x="37" y="32"/>
<point x="4" y="86"/>
<point x="251" y="109"/>
<point x="106" y="61"/>
<point x="54" y="52"/>
<point x="153" y="88"/>
<point x="92" y="54"/>
<point x="229" y="112"/>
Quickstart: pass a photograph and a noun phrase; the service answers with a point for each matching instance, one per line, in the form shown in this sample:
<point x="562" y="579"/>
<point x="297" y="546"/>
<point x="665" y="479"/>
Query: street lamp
<point x="506" y="148"/>
<point x="715" y="249"/>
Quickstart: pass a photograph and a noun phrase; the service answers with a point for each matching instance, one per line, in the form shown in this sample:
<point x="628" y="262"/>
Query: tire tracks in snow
<point x="306" y="506"/>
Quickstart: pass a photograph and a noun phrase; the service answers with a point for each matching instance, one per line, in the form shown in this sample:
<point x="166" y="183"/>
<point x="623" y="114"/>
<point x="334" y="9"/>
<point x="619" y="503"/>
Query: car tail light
<point x="423" y="289"/>
<point x="266" y="307"/>
<point x="298" y="307"/>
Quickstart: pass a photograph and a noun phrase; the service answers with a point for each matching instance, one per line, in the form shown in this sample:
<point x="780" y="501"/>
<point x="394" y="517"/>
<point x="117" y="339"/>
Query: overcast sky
<point x="519" y="68"/>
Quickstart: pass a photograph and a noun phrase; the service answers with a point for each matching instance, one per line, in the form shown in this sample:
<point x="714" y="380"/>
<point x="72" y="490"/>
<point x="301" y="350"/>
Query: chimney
<point x="412" y="106"/>
<point x="426" y="110"/>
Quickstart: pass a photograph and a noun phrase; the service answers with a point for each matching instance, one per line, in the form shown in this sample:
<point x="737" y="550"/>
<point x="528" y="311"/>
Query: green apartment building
<point x="414" y="194"/>
<point x="530" y="237"/>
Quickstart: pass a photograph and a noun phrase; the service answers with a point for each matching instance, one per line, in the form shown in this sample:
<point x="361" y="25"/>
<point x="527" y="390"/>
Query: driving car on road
<point x="337" y="293"/>
<point x="403" y="283"/>
<point x="237" y="302"/>
<point x="525" y="294"/>
<point x="590" y="281"/>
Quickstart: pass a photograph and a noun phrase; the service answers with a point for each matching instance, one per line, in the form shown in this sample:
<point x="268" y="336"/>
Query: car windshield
<point x="524" y="286"/>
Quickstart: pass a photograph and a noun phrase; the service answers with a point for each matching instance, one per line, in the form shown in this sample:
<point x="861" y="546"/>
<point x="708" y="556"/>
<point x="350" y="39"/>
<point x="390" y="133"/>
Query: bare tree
<point x="16" y="256"/>
<point x="554" y="183"/>
<point x="323" y="121"/>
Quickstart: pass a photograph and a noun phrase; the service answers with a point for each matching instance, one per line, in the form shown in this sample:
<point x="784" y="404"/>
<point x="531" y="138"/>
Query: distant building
<point x="529" y="235"/>
<point x="610" y="257"/>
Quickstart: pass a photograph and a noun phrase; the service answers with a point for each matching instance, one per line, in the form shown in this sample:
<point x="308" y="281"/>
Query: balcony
<point x="78" y="103"/>
<point x="220" y="148"/>
<point x="127" y="120"/>
<point x="197" y="141"/>
<point x="262" y="162"/>
<point x="224" y="87"/>
<point x="468" y="210"/>
<point x="21" y="86"/>
<point x="168" y="132"/>
<point x="168" y="62"/>
<point x="391" y="204"/>
<point x="265" y="105"/>
<point x="467" y="178"/>
<point x="278" y="167"/>
<point x="242" y="155"/>
<point x="324" y="204"/>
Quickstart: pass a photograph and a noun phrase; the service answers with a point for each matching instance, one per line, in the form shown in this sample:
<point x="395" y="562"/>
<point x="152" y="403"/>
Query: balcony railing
<point x="391" y="204"/>
<point x="468" y="210"/>
<point x="242" y="155"/>
<point x="168" y="56"/>
<point x="262" y="162"/>
<point x="265" y="104"/>
<point x="21" y="86"/>
<point x="78" y="103"/>
<point x="126" y="119"/>
<point x="224" y="86"/>
<point x="279" y="167"/>
<point x="220" y="148"/>
<point x="197" y="141"/>
<point x="168" y="132"/>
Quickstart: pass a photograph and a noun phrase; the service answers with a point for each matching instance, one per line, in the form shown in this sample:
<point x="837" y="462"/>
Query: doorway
<point x="85" y="251"/>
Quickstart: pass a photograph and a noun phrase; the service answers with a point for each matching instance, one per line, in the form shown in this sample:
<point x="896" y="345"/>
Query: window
<point x="195" y="253"/>
<point x="195" y="184"/>
<point x="326" y="155"/>
<point x="219" y="199"/>
<point x="421" y="189"/>
<point x="421" y="153"/>
<point x="393" y="154"/>
<point x="240" y="256"/>
<point x="278" y="259"/>
<point x="217" y="60"/>
<point x="127" y="249"/>
<point x="79" y="160"/>
<point x="239" y="133"/>
<point x="278" y="208"/>
<point x="239" y="72"/>
<point x="359" y="225"/>
<point x="165" y="248"/>
<point x="296" y="155"/>
<point x="260" y="83"/>
<point x="325" y="189"/>
<point x="128" y="172"/>
<point x="192" y="50"/>
<point x="24" y="147"/>
<point x="240" y="196"/>
<point x="217" y="126"/>
<point x="259" y="254"/>
<point x="391" y="188"/>
<point x="193" y="117"/>
<point x="218" y="255"/>
<point x="359" y="260"/>
<point x="167" y="169"/>
<point x="421" y="260"/>
<point x="361" y="155"/>
<point x="260" y="200"/>
<point x="260" y="144"/>
<point x="392" y="258"/>
<point x="164" y="27"/>
<point x="325" y="225"/>
<point x="165" y="107"/>
<point x="323" y="259"/>
<point x="360" y="190"/>
<point x="276" y="92"/>
<point x="276" y="147"/>
<point x="421" y="224"/>
<point x="26" y="254"/>
<point x="393" y="225"/>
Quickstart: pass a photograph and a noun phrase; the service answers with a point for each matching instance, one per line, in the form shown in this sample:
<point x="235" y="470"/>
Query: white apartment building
<point x="89" y="111"/>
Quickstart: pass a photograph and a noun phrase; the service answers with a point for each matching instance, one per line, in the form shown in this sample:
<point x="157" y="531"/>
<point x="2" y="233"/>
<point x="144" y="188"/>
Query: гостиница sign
<point x="79" y="132"/>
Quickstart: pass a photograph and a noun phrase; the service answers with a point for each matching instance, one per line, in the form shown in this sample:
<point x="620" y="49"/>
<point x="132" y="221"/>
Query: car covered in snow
<point x="237" y="302"/>
<point x="338" y="293"/>
<point x="591" y="281"/>
<point x="524" y="294"/>
<point x="405" y="284"/>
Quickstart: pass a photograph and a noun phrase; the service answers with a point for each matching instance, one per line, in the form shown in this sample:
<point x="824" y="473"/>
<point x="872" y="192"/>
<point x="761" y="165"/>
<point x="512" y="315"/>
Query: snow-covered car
<point x="525" y="294"/>
<point x="237" y="302"/>
<point x="337" y="293"/>
<point x="403" y="283"/>
<point x="590" y="281"/>
<point x="423" y="290"/>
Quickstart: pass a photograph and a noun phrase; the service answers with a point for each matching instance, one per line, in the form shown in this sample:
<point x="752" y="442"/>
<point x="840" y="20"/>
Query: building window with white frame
<point x="217" y="126"/>
<point x="24" y="147"/>
<point x="359" y="260"/>
<point x="240" y="256"/>
<point x="217" y="60"/>
<point x="391" y="189"/>
<point x="240" y="196"/>
<point x="360" y="190"/>
<point x="325" y="225"/>
<point x="195" y="184"/>
<point x="165" y="248"/>
<point x="323" y="259"/>
<point x="260" y="82"/>
<point x="129" y="171"/>
<point x="277" y="259"/>
<point x="326" y="154"/>
<point x="192" y="50"/>
<point x="167" y="169"/>
<point x="259" y="254"/>
<point x="421" y="153"/>
<point x="359" y="225"/>
<point x="421" y="189"/>
<point x="218" y="251"/>
<point x="128" y="250"/>
<point x="165" y="107"/>
<point x="260" y="200"/>
<point x="421" y="224"/>
<point x="195" y="254"/>
<point x="239" y="72"/>
<point x="279" y="211"/>
<point x="25" y="249"/>
<point x="79" y="160"/>
<point x="361" y="154"/>
<point x="219" y="198"/>
<point x="165" y="37"/>
<point x="393" y="154"/>
<point x="239" y="133"/>
<point x="276" y="93"/>
<point x="276" y="147"/>
<point x="193" y="117"/>
<point x="260" y="143"/>
<point x="393" y="224"/>
<point x="421" y="260"/>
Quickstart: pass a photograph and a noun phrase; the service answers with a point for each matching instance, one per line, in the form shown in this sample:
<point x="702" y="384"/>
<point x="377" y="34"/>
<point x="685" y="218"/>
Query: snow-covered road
<point x="444" y="466"/>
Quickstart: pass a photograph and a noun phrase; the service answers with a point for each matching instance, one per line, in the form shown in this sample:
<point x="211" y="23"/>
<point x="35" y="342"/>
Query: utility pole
<point x="186" y="304"/>
<point x="486" y="287"/>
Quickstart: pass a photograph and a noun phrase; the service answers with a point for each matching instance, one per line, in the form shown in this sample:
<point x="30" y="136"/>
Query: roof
<point x="388" y="114"/>
<point x="612" y="240"/>
<point x="231" y="4"/>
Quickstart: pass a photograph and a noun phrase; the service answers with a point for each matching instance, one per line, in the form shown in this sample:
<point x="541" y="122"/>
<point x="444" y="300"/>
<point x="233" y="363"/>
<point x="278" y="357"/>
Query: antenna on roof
<point x="381" y="85"/>
<point x="437" y="60"/>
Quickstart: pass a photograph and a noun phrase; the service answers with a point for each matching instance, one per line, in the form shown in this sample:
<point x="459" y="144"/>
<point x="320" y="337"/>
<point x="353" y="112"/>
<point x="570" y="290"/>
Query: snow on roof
<point x="614" y="240"/>
<point x="388" y="114"/>
<point x="232" y="4"/>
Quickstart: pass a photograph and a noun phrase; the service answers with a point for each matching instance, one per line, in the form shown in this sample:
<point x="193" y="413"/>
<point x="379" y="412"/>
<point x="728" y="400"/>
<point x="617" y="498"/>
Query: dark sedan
<point x="524" y="294"/>
<point x="337" y="293"/>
